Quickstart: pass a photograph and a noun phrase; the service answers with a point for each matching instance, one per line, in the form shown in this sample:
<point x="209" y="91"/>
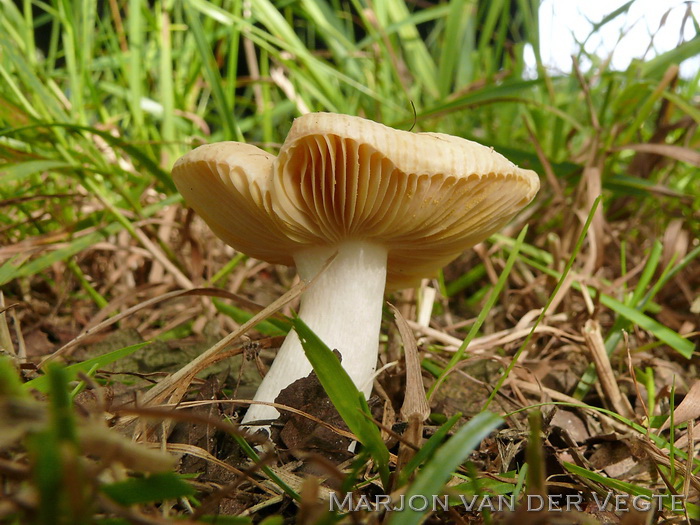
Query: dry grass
<point x="101" y="257"/>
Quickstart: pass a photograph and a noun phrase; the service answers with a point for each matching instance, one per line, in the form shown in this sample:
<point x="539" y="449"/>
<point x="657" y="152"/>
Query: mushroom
<point x="395" y="206"/>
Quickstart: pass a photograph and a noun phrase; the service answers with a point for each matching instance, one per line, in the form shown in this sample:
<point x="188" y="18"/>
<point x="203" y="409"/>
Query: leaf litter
<point x="619" y="429"/>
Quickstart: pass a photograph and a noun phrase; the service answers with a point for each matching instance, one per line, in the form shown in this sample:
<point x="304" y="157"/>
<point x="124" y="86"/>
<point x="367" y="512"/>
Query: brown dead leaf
<point x="688" y="409"/>
<point x="415" y="401"/>
<point x="684" y="440"/>
<point x="572" y="423"/>
<point x="617" y="460"/>
<point x="675" y="242"/>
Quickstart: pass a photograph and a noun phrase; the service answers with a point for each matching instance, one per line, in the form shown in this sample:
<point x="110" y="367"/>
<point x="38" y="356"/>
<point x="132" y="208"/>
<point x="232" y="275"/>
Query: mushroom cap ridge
<point x="226" y="184"/>
<point x="425" y="196"/>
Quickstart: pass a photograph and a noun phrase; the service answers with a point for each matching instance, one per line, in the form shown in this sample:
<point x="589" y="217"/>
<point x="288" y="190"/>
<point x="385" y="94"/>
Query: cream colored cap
<point x="425" y="196"/>
<point x="226" y="183"/>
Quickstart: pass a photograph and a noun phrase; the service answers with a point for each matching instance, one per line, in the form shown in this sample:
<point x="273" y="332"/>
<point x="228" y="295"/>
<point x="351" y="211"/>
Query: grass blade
<point x="211" y="71"/>
<point x="427" y="450"/>
<point x="631" y="489"/>
<point x="495" y="292"/>
<point x="562" y="278"/>
<point x="250" y="452"/>
<point x="42" y="383"/>
<point x="438" y="470"/>
<point x="156" y="487"/>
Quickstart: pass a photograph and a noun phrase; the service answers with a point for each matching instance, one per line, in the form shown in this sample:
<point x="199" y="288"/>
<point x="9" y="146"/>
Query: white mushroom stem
<point x="343" y="307"/>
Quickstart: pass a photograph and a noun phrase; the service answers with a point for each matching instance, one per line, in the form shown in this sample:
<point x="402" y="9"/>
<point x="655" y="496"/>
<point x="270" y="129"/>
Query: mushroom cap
<point x="425" y="196"/>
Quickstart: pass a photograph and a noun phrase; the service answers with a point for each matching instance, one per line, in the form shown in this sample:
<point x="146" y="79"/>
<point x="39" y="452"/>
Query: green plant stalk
<point x="211" y="72"/>
<point x="448" y="457"/>
<point x="692" y="510"/>
<point x="663" y="333"/>
<point x="567" y="269"/>
<point x="672" y="428"/>
<point x="623" y="322"/>
<point x="134" y="73"/>
<point x="479" y="491"/>
<point x="100" y="301"/>
<point x="534" y="454"/>
<point x="71" y="45"/>
<point x="233" y="42"/>
<point x="10" y="384"/>
<point x="250" y="452"/>
<point x="228" y="268"/>
<point x="166" y="87"/>
<point x="457" y="357"/>
<point x="28" y="36"/>
<point x="427" y="450"/>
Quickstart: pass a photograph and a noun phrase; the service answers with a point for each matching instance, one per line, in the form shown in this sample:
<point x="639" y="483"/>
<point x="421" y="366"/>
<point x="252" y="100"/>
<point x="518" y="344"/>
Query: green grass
<point x="99" y="99"/>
